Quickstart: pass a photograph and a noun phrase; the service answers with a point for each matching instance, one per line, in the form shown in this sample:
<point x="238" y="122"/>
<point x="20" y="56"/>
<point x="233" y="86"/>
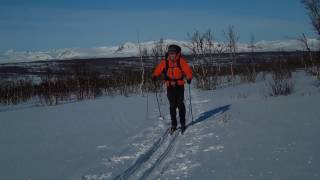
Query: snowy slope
<point x="239" y="134"/>
<point x="132" y="49"/>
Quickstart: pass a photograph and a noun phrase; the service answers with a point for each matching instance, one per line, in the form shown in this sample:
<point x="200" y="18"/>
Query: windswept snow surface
<point x="238" y="134"/>
<point x="130" y="49"/>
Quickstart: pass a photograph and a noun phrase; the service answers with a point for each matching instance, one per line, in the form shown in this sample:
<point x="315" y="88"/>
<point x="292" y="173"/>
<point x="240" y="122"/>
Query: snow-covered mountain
<point x="287" y="45"/>
<point x="129" y="49"/>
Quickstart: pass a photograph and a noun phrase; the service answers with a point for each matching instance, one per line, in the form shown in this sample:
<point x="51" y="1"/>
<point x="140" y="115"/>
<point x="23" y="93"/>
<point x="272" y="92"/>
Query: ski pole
<point x="190" y="104"/>
<point x="159" y="105"/>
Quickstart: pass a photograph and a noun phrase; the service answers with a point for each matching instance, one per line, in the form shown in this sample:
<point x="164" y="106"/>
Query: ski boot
<point x="172" y="130"/>
<point x="183" y="129"/>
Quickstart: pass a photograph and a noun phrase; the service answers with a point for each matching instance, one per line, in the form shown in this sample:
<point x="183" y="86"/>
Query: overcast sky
<point x="40" y="25"/>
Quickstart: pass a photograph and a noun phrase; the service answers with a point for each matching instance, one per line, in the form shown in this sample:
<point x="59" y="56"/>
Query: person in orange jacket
<point x="175" y="69"/>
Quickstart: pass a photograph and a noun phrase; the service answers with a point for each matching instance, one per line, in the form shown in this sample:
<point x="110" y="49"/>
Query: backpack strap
<point x="165" y="72"/>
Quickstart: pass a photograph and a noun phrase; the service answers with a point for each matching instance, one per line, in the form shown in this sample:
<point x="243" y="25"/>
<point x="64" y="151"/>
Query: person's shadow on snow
<point x="316" y="83"/>
<point x="206" y="115"/>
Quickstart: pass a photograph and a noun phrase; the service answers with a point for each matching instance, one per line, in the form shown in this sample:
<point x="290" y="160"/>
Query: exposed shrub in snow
<point x="281" y="87"/>
<point x="89" y="78"/>
<point x="281" y="82"/>
<point x="16" y="92"/>
<point x="207" y="77"/>
<point x="248" y="73"/>
<point x="74" y="84"/>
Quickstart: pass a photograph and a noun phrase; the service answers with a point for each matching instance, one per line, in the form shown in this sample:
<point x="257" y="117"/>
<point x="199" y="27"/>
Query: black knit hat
<point x="174" y="48"/>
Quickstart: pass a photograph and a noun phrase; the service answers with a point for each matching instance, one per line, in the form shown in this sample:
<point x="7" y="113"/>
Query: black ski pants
<point x="175" y="95"/>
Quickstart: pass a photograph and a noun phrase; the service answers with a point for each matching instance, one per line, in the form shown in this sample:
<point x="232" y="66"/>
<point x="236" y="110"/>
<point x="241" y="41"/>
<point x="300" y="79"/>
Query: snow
<point x="130" y="49"/>
<point x="233" y="137"/>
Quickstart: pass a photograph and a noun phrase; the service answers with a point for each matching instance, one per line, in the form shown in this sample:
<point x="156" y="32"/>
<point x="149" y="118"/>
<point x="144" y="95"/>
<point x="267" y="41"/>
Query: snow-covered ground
<point x="238" y="134"/>
<point x="130" y="49"/>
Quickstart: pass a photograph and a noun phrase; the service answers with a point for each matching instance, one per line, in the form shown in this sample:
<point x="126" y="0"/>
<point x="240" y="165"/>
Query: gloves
<point x="154" y="78"/>
<point x="189" y="81"/>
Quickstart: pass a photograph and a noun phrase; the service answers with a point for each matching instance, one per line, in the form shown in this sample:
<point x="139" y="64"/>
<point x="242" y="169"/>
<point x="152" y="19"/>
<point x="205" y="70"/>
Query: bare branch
<point x="313" y="9"/>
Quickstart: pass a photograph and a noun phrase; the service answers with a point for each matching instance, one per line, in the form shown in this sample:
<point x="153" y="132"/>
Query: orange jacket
<point x="174" y="74"/>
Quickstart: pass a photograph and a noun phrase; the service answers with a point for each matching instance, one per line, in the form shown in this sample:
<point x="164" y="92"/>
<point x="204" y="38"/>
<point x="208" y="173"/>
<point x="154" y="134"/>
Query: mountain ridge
<point x="130" y="49"/>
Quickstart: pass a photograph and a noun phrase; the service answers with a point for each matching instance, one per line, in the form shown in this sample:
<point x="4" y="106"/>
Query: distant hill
<point x="130" y="49"/>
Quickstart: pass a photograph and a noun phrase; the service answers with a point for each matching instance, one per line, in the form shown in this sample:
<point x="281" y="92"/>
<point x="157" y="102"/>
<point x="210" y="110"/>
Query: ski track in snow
<point x="158" y="159"/>
<point x="151" y="159"/>
<point x="155" y="159"/>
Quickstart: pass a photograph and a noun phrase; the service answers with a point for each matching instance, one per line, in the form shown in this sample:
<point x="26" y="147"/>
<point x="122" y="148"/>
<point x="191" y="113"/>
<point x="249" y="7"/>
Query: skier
<point x="175" y="68"/>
